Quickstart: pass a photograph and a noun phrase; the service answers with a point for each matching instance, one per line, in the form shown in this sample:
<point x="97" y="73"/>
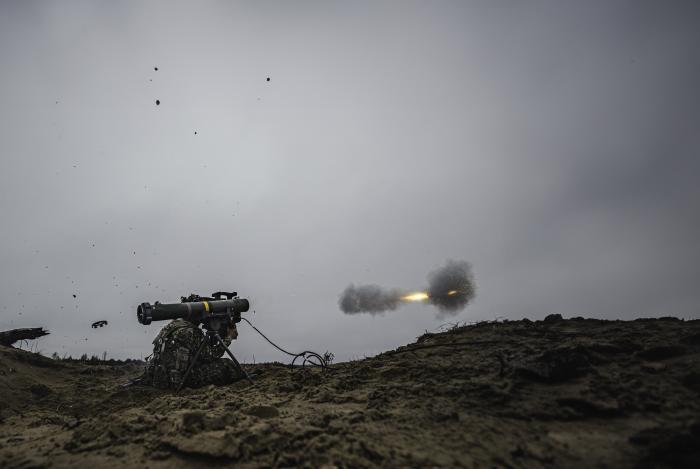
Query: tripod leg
<point x="194" y="360"/>
<point x="238" y="365"/>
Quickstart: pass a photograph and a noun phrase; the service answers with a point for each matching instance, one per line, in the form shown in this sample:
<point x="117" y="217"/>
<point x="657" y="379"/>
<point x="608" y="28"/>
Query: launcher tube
<point x="193" y="311"/>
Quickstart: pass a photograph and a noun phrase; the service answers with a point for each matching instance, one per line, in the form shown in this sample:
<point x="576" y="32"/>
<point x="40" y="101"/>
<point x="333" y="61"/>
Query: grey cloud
<point x="451" y="287"/>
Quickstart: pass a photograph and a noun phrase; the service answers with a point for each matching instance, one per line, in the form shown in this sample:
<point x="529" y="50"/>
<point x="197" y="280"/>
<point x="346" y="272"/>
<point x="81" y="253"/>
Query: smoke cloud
<point x="450" y="289"/>
<point x="368" y="299"/>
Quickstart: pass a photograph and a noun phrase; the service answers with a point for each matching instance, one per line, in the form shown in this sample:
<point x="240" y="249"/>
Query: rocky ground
<point x="556" y="393"/>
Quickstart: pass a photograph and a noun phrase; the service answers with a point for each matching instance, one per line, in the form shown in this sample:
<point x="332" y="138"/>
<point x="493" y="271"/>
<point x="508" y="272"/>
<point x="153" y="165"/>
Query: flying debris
<point x="97" y="324"/>
<point x="7" y="338"/>
<point x="450" y="288"/>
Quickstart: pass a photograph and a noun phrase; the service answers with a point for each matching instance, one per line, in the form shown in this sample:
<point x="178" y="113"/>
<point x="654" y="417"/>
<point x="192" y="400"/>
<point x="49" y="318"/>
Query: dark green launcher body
<point x="197" y="309"/>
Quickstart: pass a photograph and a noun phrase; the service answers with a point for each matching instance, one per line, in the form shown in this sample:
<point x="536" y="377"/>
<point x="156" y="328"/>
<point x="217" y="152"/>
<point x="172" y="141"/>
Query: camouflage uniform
<point x="175" y="346"/>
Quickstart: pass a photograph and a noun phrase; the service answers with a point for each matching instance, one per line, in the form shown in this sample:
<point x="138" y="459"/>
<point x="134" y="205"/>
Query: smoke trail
<point x="451" y="287"/>
<point x="368" y="299"/>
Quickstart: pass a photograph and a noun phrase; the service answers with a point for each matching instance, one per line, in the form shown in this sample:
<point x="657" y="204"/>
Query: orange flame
<point x="418" y="296"/>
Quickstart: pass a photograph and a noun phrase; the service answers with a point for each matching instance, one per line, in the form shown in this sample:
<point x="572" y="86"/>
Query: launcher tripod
<point x="212" y="338"/>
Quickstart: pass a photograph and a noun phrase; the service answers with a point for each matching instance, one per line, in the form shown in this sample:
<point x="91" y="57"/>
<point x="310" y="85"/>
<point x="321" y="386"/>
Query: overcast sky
<point x="554" y="145"/>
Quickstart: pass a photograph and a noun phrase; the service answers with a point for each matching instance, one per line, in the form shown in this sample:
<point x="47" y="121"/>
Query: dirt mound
<point x="525" y="394"/>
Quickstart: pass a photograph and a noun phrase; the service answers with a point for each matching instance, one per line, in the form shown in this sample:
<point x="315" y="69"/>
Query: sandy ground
<point x="571" y="393"/>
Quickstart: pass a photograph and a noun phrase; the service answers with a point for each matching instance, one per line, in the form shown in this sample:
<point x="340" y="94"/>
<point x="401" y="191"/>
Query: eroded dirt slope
<point x="572" y="393"/>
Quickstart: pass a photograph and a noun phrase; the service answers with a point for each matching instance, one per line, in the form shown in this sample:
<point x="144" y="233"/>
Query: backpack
<point x="171" y="356"/>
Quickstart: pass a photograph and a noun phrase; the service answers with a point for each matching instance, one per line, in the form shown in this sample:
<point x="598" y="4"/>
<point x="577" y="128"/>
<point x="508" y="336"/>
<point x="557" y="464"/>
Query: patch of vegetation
<point x="95" y="360"/>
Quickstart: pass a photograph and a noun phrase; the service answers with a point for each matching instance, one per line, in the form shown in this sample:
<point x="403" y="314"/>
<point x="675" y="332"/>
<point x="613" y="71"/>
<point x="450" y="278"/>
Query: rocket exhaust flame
<point x="418" y="296"/>
<point x="421" y="295"/>
<point x="450" y="288"/>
